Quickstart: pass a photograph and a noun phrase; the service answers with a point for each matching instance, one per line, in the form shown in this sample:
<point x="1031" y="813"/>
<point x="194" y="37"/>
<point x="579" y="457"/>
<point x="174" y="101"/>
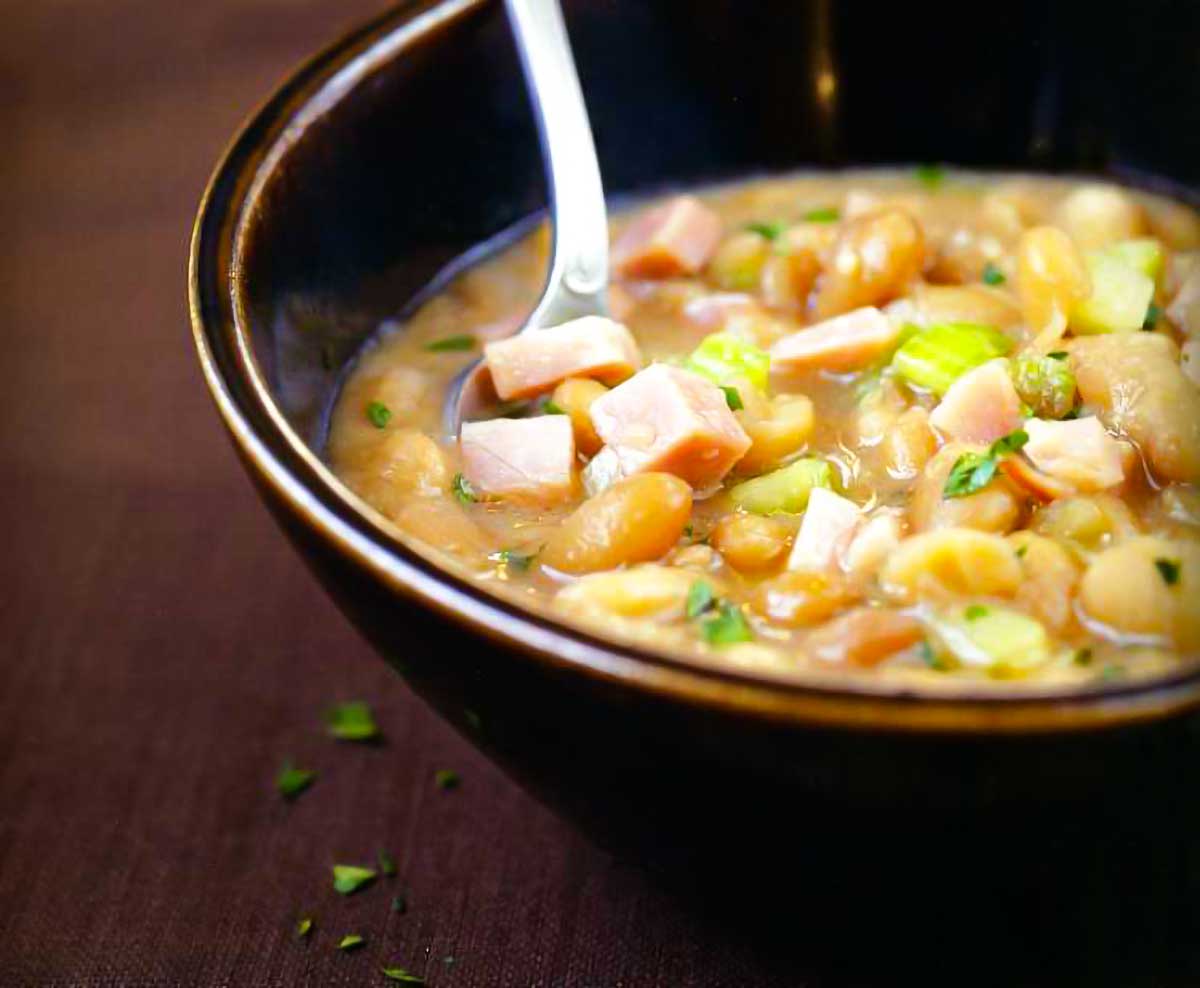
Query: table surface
<point x="164" y="652"/>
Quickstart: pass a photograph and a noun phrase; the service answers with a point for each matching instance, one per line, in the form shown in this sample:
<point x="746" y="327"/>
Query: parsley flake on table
<point x="447" y="344"/>
<point x="400" y="903"/>
<point x="351" y="941"/>
<point x="351" y="721"/>
<point x="304" y="928"/>
<point x="1168" y="569"/>
<point x="826" y="214"/>
<point x="446" y="778"/>
<point x="399" y="974"/>
<point x="387" y="864"/>
<point x="992" y="275"/>
<point x="379" y="414"/>
<point x="463" y="492"/>
<point x="292" y="781"/>
<point x="972" y="472"/>
<point x="348" y="879"/>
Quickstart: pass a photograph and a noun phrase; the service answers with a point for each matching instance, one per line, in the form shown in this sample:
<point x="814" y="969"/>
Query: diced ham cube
<point x="981" y="406"/>
<point x="523" y="458"/>
<point x="672" y="420"/>
<point x="671" y="240"/>
<point x="1079" y="452"/>
<point x="533" y="362"/>
<point x="844" y="343"/>
<point x="829" y="523"/>
<point x="603" y="470"/>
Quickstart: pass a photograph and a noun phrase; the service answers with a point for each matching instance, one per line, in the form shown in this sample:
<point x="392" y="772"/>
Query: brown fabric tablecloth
<point x="163" y="652"/>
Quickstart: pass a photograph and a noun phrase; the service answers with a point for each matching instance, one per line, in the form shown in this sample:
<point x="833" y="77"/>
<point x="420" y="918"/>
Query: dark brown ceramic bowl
<point x="410" y="141"/>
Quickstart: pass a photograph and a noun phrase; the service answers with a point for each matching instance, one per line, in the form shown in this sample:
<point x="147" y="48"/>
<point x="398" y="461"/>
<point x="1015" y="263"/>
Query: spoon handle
<point x="578" y="281"/>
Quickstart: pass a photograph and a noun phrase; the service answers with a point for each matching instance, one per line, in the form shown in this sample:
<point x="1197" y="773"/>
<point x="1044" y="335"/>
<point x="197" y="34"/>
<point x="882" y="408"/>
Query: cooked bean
<point x="402" y="463"/>
<point x="951" y="561"/>
<point x="863" y="637"/>
<point x="1051" y="278"/>
<point x="444" y="527"/>
<point x="788" y="278"/>
<point x="996" y="508"/>
<point x="752" y="543"/>
<point x="646" y="591"/>
<point x="1049" y="578"/>
<point x="797" y="598"/>
<point x="776" y="431"/>
<point x="1098" y="215"/>
<point x="909" y="444"/>
<point x="738" y="262"/>
<point x="966" y="303"/>
<point x="636" y="520"/>
<point x="1091" y="522"/>
<point x="1146" y="586"/>
<point x="873" y="261"/>
<point x="575" y="396"/>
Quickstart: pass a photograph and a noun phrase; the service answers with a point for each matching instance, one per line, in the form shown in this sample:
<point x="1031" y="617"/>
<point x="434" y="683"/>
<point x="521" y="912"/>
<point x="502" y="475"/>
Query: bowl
<point x="410" y="140"/>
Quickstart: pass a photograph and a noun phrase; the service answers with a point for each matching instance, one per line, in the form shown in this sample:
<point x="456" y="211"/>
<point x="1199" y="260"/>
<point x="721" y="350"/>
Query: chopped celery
<point x="1121" y="294"/>
<point x="1004" y="642"/>
<point x="724" y="357"/>
<point x="1144" y="254"/>
<point x="1045" y="384"/>
<point x="785" y="490"/>
<point x="936" y="357"/>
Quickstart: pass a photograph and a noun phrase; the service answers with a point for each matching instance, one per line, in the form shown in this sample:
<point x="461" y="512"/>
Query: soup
<point x="937" y="428"/>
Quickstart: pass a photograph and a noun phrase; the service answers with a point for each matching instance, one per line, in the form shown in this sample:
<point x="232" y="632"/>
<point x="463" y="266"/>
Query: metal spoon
<point x="578" y="281"/>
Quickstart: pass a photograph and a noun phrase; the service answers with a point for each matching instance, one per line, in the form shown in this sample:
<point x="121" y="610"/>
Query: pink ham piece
<point x="520" y="458"/>
<point x="844" y="343"/>
<point x="830" y="523"/>
<point x="1078" y="452"/>
<point x="981" y="406"/>
<point x="533" y="362"/>
<point x="672" y="420"/>
<point x="669" y="241"/>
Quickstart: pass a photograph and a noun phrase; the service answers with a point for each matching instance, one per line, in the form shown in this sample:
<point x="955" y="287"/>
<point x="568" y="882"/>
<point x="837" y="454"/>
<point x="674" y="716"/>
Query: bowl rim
<point x="279" y="459"/>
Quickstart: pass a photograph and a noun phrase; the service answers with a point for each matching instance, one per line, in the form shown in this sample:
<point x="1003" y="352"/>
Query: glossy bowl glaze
<point x="409" y="141"/>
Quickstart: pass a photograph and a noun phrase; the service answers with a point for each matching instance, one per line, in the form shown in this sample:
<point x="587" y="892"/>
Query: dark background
<point x="163" y="652"/>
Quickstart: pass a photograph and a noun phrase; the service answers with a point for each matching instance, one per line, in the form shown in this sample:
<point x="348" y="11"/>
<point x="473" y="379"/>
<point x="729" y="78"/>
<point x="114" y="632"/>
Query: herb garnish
<point x="399" y="974"/>
<point x="400" y="903"/>
<point x="551" y="407"/>
<point x="379" y="414"/>
<point x="992" y="275"/>
<point x="974" y="471"/>
<point x="1057" y="355"/>
<point x="727" y="627"/>
<point x="304" y="928"/>
<point x="351" y="722"/>
<point x="733" y="398"/>
<point x="768" y="230"/>
<point x="975" y="612"/>
<point x="351" y="941"/>
<point x="292" y="781"/>
<point x="446" y="778"/>
<point x="826" y="214"/>
<point x="932" y="659"/>
<point x="446" y="344"/>
<point x="348" y="879"/>
<point x="514" y="560"/>
<point x="1168" y="569"/>
<point x="387" y="864"/>
<point x="930" y="176"/>
<point x="1153" y="314"/>
<point x="699" y="599"/>
<point x="1083" y="657"/>
<point x="1021" y="550"/>
<point x="463" y="492"/>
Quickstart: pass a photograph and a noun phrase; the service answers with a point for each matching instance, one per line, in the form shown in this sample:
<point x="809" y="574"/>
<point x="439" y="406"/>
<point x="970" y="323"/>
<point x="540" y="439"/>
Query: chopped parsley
<point x="292" y="781"/>
<point x="351" y="941"/>
<point x="400" y="903"/>
<point x="399" y="974"/>
<point x="992" y="275"/>
<point x="304" y="928"/>
<point x="768" y="230"/>
<point x="514" y="560"/>
<point x="446" y="778"/>
<point x="1168" y="569"/>
<point x="1112" y="671"/>
<point x="1153" y="314"/>
<point x="348" y="879"/>
<point x="975" y="612"/>
<point x="387" y="864"/>
<point x="551" y="407"/>
<point x="463" y="492"/>
<point x="1057" y="355"/>
<point x="379" y="414"/>
<point x="727" y="626"/>
<point x="930" y="176"/>
<point x="826" y="214"/>
<point x="1083" y="657"/>
<point x="700" y="598"/>
<point x="972" y="472"/>
<point x="1021" y="550"/>
<point x="446" y="344"/>
<point x="932" y="659"/>
<point x="351" y="722"/>
<point x="733" y="398"/>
